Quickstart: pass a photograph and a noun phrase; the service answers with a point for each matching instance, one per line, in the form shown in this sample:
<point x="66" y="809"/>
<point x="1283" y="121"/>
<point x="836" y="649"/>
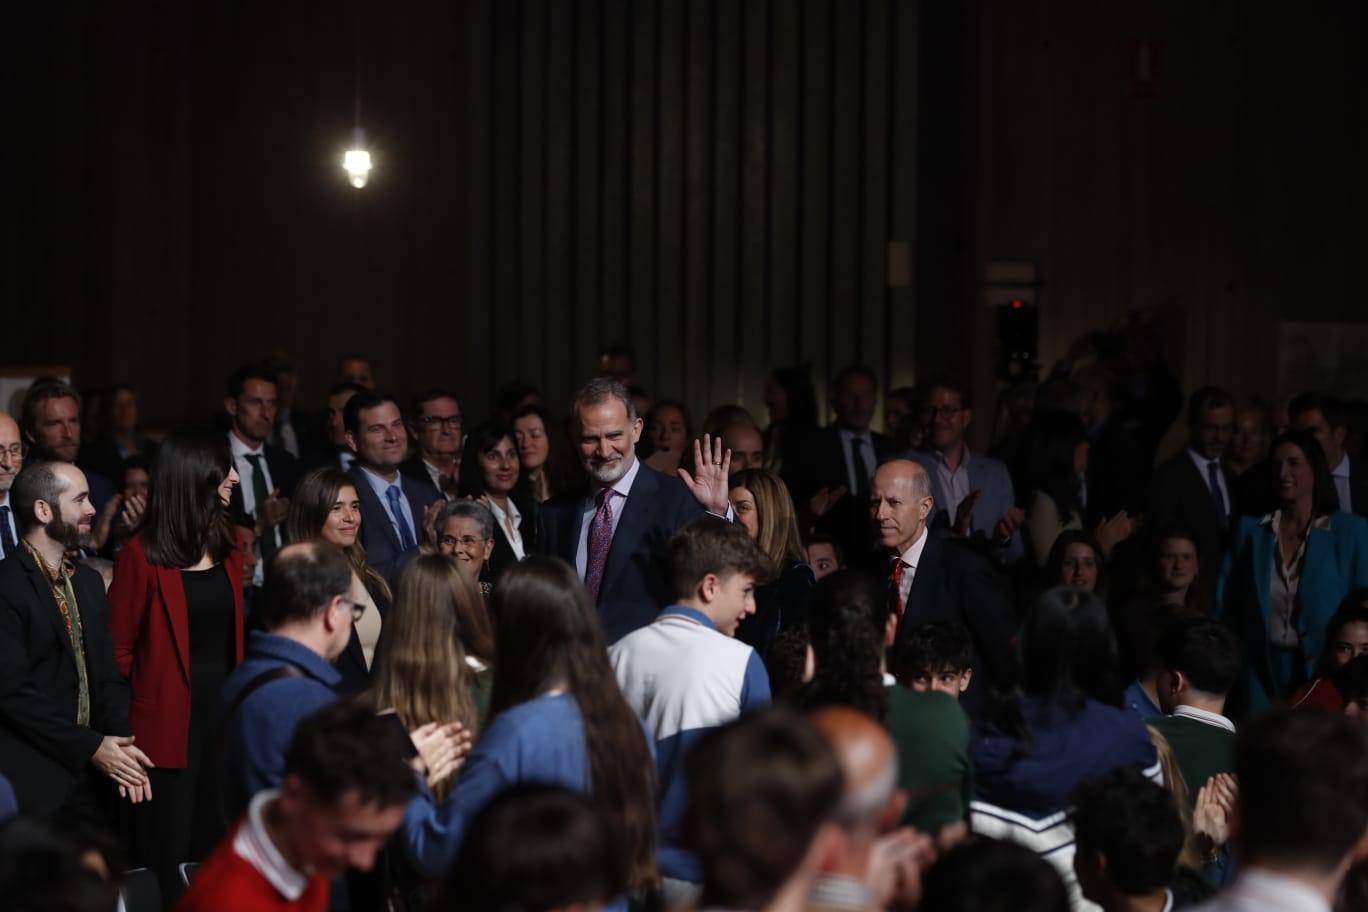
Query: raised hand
<point x="825" y="499"/>
<point x="964" y="514"/>
<point x="712" y="468"/>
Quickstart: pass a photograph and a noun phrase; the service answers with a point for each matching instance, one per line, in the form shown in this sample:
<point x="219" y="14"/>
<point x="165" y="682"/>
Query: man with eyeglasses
<point x="436" y="426"/>
<point x="11" y="461"/>
<point x="974" y="496"/>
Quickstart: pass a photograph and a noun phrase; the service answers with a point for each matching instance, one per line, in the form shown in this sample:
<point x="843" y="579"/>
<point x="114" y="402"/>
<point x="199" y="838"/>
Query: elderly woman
<point x="465" y="533"/>
<point x="1287" y="573"/>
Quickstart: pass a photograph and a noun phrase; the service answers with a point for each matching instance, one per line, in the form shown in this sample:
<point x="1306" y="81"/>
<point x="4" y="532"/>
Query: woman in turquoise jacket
<point x="1287" y="572"/>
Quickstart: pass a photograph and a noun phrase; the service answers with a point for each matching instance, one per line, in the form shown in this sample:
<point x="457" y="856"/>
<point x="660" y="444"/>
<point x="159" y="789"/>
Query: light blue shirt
<point x="380" y="486"/>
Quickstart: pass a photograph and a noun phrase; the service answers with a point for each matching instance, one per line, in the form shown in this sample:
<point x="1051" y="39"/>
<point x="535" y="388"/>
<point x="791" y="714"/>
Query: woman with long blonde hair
<point x="763" y="506"/>
<point x="425" y="673"/>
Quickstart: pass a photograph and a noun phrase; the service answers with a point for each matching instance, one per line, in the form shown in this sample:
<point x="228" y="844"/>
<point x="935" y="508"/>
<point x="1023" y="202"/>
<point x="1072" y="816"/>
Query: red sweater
<point x="227" y="882"/>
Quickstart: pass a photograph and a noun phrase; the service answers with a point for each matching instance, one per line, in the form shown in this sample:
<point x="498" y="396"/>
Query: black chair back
<point x="140" y="891"/>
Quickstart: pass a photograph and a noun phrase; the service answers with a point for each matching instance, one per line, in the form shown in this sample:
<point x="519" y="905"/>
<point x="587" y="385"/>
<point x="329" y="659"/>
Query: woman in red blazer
<point x="175" y="609"/>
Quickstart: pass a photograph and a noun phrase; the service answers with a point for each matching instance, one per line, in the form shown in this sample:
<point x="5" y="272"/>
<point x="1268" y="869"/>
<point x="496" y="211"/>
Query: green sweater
<point x="931" y="732"/>
<point x="1201" y="749"/>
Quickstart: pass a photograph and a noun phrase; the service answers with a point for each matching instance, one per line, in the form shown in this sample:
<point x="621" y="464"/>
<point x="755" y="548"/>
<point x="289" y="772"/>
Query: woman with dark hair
<point x="492" y="474"/>
<point x="1346" y="639"/>
<point x="666" y="432"/>
<point x="543" y="452"/>
<point x="556" y="716"/>
<point x="326" y="506"/>
<point x="1286" y="573"/>
<point x="1061" y="726"/>
<point x="847" y="641"/>
<point x="792" y="404"/>
<point x="763" y="507"/>
<point x="1076" y="560"/>
<point x="176" y="616"/>
<point x="1056" y="459"/>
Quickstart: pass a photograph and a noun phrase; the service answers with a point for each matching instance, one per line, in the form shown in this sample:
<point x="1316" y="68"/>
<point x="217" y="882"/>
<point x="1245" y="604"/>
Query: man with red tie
<point x="932" y="578"/>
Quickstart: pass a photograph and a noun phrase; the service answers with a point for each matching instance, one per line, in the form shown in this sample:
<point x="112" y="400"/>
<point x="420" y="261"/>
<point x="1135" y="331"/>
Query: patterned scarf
<point x="59" y="582"/>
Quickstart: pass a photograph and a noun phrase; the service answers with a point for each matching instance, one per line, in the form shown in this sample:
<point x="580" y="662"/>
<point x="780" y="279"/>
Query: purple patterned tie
<point x="600" y="539"/>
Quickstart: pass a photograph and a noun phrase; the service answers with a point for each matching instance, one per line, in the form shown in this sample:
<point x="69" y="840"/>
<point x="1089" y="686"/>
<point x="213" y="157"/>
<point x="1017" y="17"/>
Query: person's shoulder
<point x="988" y="465"/>
<point x="1343" y="522"/>
<point x="931" y="709"/>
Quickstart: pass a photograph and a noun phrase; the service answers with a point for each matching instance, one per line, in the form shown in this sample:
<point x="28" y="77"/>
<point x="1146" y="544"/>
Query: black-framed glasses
<point x="450" y="422"/>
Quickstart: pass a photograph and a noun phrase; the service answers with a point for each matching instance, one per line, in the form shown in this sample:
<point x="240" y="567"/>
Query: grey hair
<point x="466" y="509"/>
<point x="921" y="483"/>
<point x="600" y="390"/>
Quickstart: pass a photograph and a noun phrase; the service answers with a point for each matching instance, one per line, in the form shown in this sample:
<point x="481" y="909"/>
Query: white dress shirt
<point x="866" y="451"/>
<point x="1216" y="720"/>
<point x="1340" y="474"/>
<point x="1283" y="582"/>
<point x="511" y="524"/>
<point x="247" y="476"/>
<point x="1202" y="464"/>
<point x="253" y="845"/>
<point x="954" y="483"/>
<point x="910" y="558"/>
<point x="1256" y="890"/>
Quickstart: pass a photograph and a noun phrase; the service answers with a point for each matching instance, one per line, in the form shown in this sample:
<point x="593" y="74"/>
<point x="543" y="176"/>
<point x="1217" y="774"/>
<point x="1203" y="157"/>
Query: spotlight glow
<point x="357" y="164"/>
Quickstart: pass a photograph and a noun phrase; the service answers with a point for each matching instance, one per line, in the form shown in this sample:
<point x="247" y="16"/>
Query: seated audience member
<point x="543" y="452"/>
<point x="614" y="530"/>
<point x="63" y="723"/>
<point x="852" y="627"/>
<point x="306" y="615"/>
<point x="685" y="674"/>
<point x="824" y="555"/>
<point x="1287" y="573"/>
<point x="792" y="406"/>
<point x="42" y="869"/>
<point x="854" y="876"/>
<point x="556" y="716"/>
<point x="395" y="510"/>
<point x="763" y="795"/>
<point x="747" y="445"/>
<point x="342" y="792"/>
<point x="268" y="473"/>
<point x="1062" y="726"/>
<point x="974" y="495"/>
<point x="332" y="451"/>
<point x="765" y="510"/>
<point x="1076" y="560"/>
<point x="326" y="506"/>
<point x="11" y="461"/>
<point x="935" y="658"/>
<point x="1326" y="419"/>
<point x="537" y="848"/>
<point x="51" y="422"/>
<point x="424" y="674"/>
<point x="1302" y="812"/>
<point x="176" y="615"/>
<point x="1200" y="662"/>
<point x="465" y="534"/>
<point x="435" y="421"/>
<point x="355" y="369"/>
<point x="1127" y="838"/>
<point x="1192" y="489"/>
<point x="841" y="459"/>
<point x="668" y="431"/>
<point x="936" y="579"/>
<point x="490" y="473"/>
<point x="1346" y="638"/>
<point x="992" y="875"/>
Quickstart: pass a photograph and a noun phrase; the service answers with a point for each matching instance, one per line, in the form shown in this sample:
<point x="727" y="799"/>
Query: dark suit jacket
<point x="954" y="583"/>
<point x="1179" y="496"/>
<point x="378" y="537"/>
<point x="636" y="583"/>
<point x="351" y="664"/>
<point x="284" y="472"/>
<point x="413" y="469"/>
<point x="43" y="751"/>
<point x="504" y="556"/>
<point x="821" y="464"/>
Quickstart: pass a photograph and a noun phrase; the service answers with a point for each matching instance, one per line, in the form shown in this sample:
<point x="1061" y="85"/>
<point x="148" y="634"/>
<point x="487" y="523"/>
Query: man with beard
<point x="63" y="704"/>
<point x="616" y="533"/>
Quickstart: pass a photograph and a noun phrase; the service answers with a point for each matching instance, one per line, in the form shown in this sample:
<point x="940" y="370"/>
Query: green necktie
<point x="268" y="541"/>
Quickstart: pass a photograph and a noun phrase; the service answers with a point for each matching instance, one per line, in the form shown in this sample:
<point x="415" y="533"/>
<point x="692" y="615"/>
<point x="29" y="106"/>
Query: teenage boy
<point x="936" y="658"/>
<point x="1199" y="662"/>
<point x="1127" y="836"/>
<point x="686" y="674"/>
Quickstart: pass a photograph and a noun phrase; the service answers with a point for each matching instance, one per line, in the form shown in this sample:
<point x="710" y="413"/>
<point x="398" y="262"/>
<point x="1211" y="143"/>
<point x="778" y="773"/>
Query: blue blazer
<point x="377" y="532"/>
<point x="1336" y="561"/>
<point x="988" y="475"/>
<point x="636" y="581"/>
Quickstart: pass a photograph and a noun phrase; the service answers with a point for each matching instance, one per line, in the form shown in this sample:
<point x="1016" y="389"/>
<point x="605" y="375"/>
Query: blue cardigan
<point x="1336" y="561"/>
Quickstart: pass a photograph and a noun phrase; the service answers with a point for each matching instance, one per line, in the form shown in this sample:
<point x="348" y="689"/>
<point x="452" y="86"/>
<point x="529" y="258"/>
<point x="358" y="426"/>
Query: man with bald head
<point x="931" y="578"/>
<point x="11" y="461"/>
<point x="870" y="805"/>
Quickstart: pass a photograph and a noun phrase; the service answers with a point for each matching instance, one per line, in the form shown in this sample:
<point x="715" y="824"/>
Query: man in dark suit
<point x="839" y="462"/>
<point x="268" y="473"/>
<point x="615" y="533"/>
<point x="63" y="704"/>
<point x="1324" y="416"/>
<point x="934" y="578"/>
<point x="1192" y="490"/>
<point x="436" y="422"/>
<point x="396" y="512"/>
